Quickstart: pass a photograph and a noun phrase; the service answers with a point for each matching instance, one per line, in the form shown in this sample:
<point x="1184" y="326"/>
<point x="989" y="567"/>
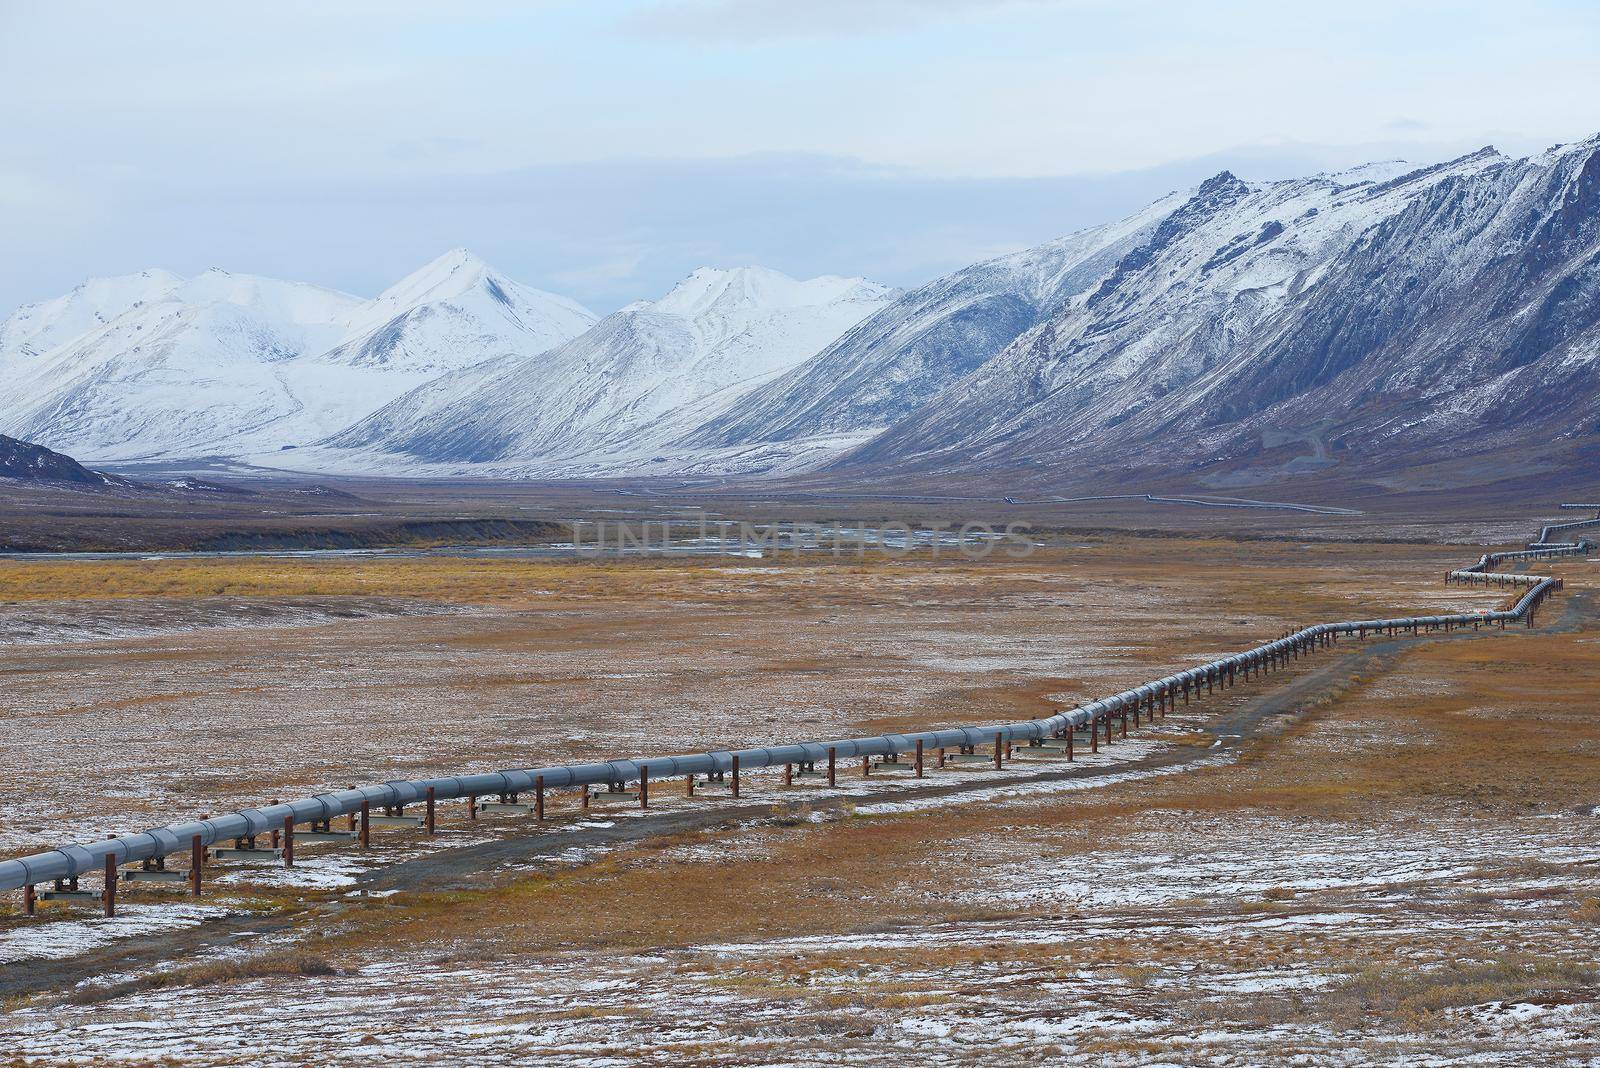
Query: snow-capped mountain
<point x="928" y="339"/>
<point x="640" y="378"/>
<point x="1239" y="332"/>
<point x="209" y="364"/>
<point x="35" y="329"/>
<point x="1266" y="329"/>
<point x="454" y="312"/>
<point x="227" y="364"/>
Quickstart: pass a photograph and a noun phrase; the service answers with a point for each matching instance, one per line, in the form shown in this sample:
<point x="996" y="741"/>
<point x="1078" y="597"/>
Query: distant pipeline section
<point x="64" y="865"/>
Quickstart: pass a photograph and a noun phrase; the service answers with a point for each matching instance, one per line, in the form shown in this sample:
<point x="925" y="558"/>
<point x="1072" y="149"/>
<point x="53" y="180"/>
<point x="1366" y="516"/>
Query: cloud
<point x="896" y="139"/>
<point x="25" y="194"/>
<point x="761" y="19"/>
<point x="609" y="232"/>
<point x="434" y="148"/>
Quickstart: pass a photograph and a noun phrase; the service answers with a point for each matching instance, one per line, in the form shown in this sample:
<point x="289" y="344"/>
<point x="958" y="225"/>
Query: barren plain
<point x="1387" y="853"/>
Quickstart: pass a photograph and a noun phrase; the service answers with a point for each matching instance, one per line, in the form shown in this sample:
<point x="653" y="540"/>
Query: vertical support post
<point x="538" y="798"/>
<point x="288" y="841"/>
<point x="27" y="900"/>
<point x="919" y="758"/>
<point x="688" y="786"/>
<point x="644" y="786"/>
<point x="366" y="824"/>
<point x="999" y="750"/>
<point x="833" y="757"/>
<point x="352" y="815"/>
<point x="788" y="775"/>
<point x="108" y="896"/>
<point x="866" y="766"/>
<point x="197" y="864"/>
<point x="1069" y="744"/>
<point x="429" y="812"/>
<point x="733" y="787"/>
<point x="472" y="806"/>
<point x="1094" y="735"/>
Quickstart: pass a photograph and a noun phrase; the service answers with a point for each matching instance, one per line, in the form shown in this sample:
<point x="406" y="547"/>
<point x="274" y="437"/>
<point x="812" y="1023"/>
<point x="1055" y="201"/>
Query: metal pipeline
<point x="1551" y="528"/>
<point x="73" y="860"/>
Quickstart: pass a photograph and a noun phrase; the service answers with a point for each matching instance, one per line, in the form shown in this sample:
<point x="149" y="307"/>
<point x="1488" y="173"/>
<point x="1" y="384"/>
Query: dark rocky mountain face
<point x="34" y="463"/>
<point x="1266" y="331"/>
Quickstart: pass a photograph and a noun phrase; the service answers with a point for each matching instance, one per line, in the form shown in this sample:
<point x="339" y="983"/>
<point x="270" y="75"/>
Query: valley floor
<point x="1387" y="854"/>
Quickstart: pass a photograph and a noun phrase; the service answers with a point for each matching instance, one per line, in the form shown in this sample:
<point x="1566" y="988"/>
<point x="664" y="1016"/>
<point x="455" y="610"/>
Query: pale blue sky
<point x="604" y="149"/>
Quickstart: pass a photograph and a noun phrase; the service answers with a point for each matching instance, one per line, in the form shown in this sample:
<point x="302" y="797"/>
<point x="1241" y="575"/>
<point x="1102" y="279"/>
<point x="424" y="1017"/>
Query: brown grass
<point x="1388" y="756"/>
<point x="1416" y="997"/>
<point x="1424" y="738"/>
<point x="292" y="963"/>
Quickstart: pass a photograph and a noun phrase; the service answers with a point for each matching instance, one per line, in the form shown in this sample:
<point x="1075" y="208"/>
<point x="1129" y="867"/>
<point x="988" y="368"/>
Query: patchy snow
<point x="54" y="940"/>
<point x="70" y="623"/>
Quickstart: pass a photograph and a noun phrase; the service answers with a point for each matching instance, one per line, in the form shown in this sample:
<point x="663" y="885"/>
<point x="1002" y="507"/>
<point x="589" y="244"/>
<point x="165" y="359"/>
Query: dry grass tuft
<point x="273" y="965"/>
<point x="1417" y="998"/>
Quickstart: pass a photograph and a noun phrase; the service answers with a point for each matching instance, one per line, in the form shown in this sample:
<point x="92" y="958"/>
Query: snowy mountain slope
<point x="1299" y="316"/>
<point x="188" y="374"/>
<point x="35" y="329"/>
<point x="227" y="364"/>
<point x="454" y="312"/>
<point x="1376" y="322"/>
<point x="925" y="341"/>
<point x="1469" y="322"/>
<point x="638" y="378"/>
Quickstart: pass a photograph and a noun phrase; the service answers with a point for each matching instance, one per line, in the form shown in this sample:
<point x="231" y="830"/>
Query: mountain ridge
<point x="1189" y="364"/>
<point x="609" y="388"/>
<point x="228" y="364"/>
<point x="23" y="461"/>
<point x="1366" y="321"/>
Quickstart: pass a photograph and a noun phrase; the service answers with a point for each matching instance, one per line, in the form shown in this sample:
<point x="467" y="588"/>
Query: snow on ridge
<point x="301" y="303"/>
<point x="35" y="329"/>
<point x="1239" y="300"/>
<point x="460" y="274"/>
<point x="228" y="364"/>
<point x="1377" y="171"/>
<point x="626" y="385"/>
<point x="747" y="368"/>
<point x="707" y="288"/>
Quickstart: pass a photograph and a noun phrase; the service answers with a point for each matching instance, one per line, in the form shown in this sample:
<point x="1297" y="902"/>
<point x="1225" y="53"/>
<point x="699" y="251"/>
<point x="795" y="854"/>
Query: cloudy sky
<point x="604" y="149"/>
